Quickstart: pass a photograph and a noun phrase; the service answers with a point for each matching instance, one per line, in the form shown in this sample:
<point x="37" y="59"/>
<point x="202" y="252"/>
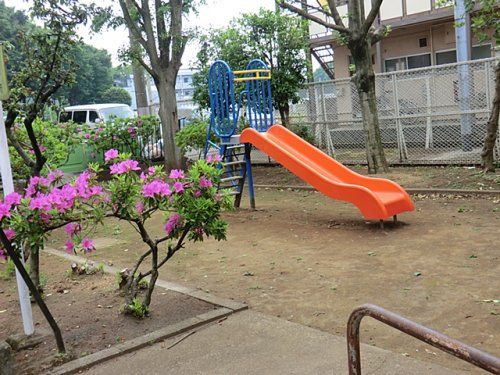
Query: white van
<point x="95" y="113"/>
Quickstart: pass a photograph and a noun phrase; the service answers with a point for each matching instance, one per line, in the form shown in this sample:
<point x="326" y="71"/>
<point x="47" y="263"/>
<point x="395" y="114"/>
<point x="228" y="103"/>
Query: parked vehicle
<point x="95" y="113"/>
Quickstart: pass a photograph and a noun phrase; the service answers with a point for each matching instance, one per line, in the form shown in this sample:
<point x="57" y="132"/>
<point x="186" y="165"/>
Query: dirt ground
<point x="87" y="309"/>
<point x="414" y="177"/>
<point x="312" y="260"/>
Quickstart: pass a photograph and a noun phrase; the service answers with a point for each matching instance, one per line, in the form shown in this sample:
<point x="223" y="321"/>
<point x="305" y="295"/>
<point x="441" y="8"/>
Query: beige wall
<point x="405" y="42"/>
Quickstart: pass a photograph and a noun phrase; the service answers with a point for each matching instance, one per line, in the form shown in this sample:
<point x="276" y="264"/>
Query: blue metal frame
<point x="259" y="99"/>
<point x="224" y="114"/>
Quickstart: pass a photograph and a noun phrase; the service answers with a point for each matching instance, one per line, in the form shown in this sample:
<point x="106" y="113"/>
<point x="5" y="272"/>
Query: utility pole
<point x="463" y="43"/>
<point x="8" y="187"/>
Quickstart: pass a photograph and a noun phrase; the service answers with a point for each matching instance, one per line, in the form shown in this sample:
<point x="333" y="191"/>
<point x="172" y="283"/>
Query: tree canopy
<point x="276" y="39"/>
<point x="116" y="95"/>
<point x="92" y="67"/>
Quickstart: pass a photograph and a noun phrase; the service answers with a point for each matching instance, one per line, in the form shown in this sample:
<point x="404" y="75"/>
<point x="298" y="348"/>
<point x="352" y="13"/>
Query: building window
<point x="419" y="61"/>
<point x="450" y="57"/>
<point x="392" y="65"/>
<point x="481" y="52"/>
<point x="446" y="57"/>
<point x="408" y="62"/>
<point x="186" y="79"/>
<point x="422" y="42"/>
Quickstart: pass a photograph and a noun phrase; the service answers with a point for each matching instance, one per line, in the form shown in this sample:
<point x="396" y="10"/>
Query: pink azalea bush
<point x="188" y="201"/>
<point x="47" y="204"/>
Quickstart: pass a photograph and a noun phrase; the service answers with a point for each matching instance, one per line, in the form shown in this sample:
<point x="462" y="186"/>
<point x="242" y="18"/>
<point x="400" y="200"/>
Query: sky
<point x="214" y="13"/>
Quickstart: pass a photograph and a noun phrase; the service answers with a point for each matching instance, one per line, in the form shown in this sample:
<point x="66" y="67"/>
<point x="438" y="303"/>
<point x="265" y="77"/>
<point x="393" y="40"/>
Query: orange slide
<point x="376" y="198"/>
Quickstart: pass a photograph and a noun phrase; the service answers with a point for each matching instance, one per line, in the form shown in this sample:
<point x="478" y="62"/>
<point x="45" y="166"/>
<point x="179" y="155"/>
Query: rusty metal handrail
<point x="463" y="351"/>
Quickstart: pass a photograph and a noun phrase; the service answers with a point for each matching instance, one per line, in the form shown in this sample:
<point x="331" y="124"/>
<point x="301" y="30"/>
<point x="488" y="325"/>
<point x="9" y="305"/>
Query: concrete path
<point x="252" y="343"/>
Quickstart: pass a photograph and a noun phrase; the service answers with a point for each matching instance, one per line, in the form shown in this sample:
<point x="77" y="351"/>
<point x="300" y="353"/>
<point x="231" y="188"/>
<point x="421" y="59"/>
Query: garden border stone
<point x="227" y="307"/>
<point x="409" y="190"/>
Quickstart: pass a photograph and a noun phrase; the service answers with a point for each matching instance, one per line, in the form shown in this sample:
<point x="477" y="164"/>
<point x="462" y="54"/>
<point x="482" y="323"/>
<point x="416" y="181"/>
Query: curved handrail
<point x="463" y="351"/>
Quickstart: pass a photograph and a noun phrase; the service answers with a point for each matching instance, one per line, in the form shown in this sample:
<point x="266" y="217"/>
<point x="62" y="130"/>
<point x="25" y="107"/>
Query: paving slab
<point x="253" y="343"/>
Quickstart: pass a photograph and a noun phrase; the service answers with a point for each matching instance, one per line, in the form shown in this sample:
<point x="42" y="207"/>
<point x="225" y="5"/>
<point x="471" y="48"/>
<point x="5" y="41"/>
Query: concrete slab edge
<point x="409" y="190"/>
<point x="235" y="306"/>
<point x="137" y="343"/>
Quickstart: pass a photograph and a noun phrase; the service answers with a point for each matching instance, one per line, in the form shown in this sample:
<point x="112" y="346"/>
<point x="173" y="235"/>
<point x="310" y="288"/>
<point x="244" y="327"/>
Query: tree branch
<point x="371" y="17"/>
<point x="163" y="38"/>
<point x="335" y="13"/>
<point x="310" y="17"/>
<point x="131" y="25"/>
<point x="19" y="148"/>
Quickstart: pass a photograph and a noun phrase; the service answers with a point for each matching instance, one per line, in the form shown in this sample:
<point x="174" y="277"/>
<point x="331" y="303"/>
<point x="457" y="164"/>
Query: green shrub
<point x="116" y="95"/>
<point x="193" y="136"/>
<point x="137" y="136"/>
<point x="56" y="142"/>
<point x="304" y="132"/>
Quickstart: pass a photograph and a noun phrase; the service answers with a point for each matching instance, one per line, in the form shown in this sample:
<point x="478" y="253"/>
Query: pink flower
<point x="199" y="231"/>
<point x="156" y="187"/>
<point x="197" y="193"/>
<point x="12" y="199"/>
<point x="173" y="222"/>
<point x="41" y="202"/>
<point x="42" y="149"/>
<point x="71" y="229"/>
<point x="217" y="197"/>
<point x="9" y="233"/>
<point x="3" y="254"/>
<point x="110" y="155"/>
<point x="125" y="167"/>
<point x="87" y="136"/>
<point x="151" y="170"/>
<point x="87" y="245"/>
<point x="140" y="207"/>
<point x="205" y="183"/>
<point x="178" y="187"/>
<point x="214" y="159"/>
<point x="70" y="246"/>
<point x="176" y="173"/>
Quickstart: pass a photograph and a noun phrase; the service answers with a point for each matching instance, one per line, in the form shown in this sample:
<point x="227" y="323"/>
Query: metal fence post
<point x="428" y="130"/>
<point x="323" y="111"/>
<point x="403" y="152"/>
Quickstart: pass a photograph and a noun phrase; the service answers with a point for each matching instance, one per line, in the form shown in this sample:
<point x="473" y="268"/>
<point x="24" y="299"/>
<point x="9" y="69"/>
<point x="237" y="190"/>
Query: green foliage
<point x="485" y="20"/>
<point x="93" y="76"/>
<point x="193" y="136"/>
<point x="56" y="142"/>
<point x="132" y="135"/>
<point x="304" y="132"/>
<point x="9" y="271"/>
<point x="137" y="309"/>
<point x="116" y="95"/>
<point x="276" y="39"/>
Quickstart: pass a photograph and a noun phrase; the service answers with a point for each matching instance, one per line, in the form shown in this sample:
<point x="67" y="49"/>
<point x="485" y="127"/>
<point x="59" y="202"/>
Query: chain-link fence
<point x="434" y="115"/>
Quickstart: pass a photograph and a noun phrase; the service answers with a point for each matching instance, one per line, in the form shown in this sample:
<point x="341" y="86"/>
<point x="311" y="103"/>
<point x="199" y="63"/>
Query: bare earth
<point x="408" y="177"/>
<point x="312" y="260"/>
<point x="87" y="309"/>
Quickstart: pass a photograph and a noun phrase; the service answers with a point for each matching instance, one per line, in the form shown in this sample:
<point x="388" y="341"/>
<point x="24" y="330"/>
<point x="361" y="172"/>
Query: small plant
<point x="143" y="284"/>
<point x="136" y="308"/>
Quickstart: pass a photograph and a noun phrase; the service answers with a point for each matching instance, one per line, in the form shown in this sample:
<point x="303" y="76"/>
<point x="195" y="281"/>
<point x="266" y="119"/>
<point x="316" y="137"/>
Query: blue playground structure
<point x="254" y="109"/>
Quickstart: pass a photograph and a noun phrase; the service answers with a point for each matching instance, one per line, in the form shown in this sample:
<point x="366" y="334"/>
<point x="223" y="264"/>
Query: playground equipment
<point x="376" y="198"/>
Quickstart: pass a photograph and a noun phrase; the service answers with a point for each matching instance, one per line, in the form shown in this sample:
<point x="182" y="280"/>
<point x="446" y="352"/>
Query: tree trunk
<point x="284" y="111"/>
<point x="365" y="85"/>
<point x="492" y="128"/>
<point x="34" y="262"/>
<point x="140" y="81"/>
<point x="169" y="123"/>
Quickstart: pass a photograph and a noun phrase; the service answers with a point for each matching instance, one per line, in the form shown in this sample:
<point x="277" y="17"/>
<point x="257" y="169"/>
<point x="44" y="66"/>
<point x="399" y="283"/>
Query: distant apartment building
<point x="183" y="91"/>
<point x="422" y="34"/>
